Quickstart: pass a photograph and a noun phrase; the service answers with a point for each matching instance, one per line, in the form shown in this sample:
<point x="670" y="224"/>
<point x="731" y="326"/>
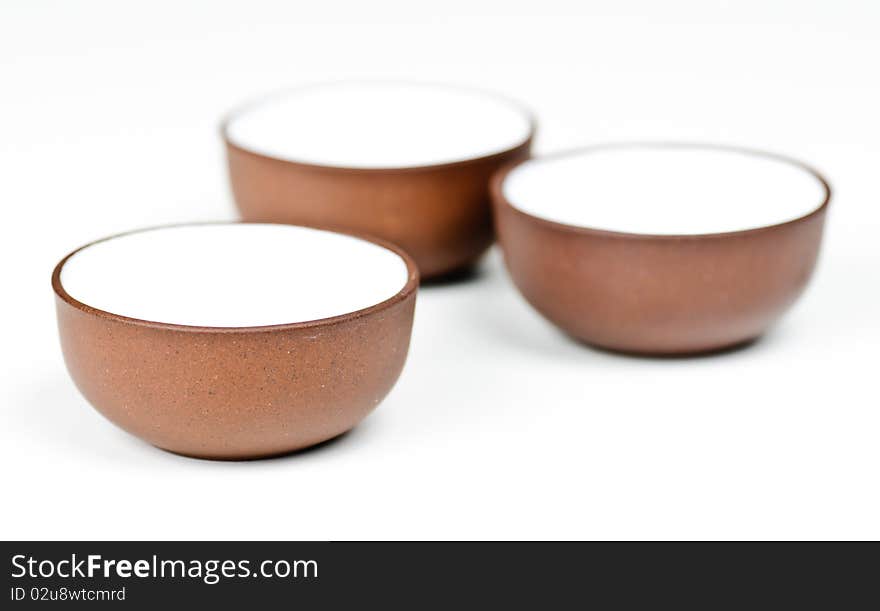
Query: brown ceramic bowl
<point x="661" y="248"/>
<point x="235" y="341"/>
<point x="408" y="163"/>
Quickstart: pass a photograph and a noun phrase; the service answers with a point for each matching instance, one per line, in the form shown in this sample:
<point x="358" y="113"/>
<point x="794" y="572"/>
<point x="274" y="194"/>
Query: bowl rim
<point x="408" y="289"/>
<point x="254" y="102"/>
<point x="496" y="188"/>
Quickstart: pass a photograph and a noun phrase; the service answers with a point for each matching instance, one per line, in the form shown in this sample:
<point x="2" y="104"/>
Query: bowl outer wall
<point x="440" y="214"/>
<point x="657" y="294"/>
<point x="236" y="393"/>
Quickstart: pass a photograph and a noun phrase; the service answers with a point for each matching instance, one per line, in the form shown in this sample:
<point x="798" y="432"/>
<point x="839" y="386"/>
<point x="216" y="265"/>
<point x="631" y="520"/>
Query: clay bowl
<point x="231" y="340"/>
<point x="408" y="163"/>
<point x="661" y="248"/>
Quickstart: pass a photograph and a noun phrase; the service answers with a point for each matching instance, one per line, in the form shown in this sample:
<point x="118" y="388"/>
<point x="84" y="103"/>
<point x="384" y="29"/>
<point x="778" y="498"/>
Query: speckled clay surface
<point x="662" y="294"/>
<point x="439" y="214"/>
<point x="236" y="393"/>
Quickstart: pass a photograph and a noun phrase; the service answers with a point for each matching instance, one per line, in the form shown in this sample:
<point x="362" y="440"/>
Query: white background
<point x="500" y="427"/>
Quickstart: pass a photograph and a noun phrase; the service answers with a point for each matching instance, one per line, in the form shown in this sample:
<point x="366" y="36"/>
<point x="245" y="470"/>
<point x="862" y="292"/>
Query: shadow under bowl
<point x="661" y="249"/>
<point x="178" y="334"/>
<point x="406" y="162"/>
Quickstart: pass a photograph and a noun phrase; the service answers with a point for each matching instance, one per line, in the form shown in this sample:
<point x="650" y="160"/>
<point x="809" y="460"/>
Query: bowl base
<point x="459" y="275"/>
<point x="684" y="353"/>
<point x="219" y="457"/>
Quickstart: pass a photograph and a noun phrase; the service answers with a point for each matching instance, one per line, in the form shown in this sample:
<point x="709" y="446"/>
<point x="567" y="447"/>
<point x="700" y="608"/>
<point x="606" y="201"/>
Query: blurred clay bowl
<point x="661" y="248"/>
<point x="408" y="163"/>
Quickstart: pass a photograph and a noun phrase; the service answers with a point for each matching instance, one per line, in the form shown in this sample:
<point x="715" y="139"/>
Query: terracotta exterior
<point x="236" y="393"/>
<point x="439" y="214"/>
<point x="658" y="294"/>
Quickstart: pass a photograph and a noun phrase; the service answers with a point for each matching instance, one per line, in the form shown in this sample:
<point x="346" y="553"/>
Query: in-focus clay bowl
<point x="234" y="340"/>
<point x="408" y="163"/>
<point x="661" y="248"/>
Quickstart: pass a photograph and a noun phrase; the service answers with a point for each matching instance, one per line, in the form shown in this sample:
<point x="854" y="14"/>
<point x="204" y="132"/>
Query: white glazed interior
<point x="376" y="125"/>
<point x="233" y="275"/>
<point x="664" y="190"/>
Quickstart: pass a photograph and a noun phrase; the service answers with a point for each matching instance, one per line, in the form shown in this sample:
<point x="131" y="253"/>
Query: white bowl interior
<point x="233" y="275"/>
<point x="379" y="125"/>
<point x="664" y="190"/>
